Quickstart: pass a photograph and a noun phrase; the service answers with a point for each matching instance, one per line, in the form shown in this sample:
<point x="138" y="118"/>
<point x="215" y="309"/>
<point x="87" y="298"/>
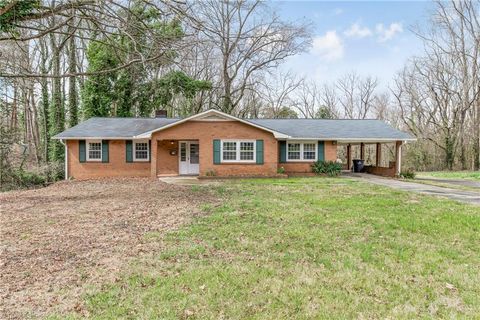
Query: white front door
<point x="189" y="157"/>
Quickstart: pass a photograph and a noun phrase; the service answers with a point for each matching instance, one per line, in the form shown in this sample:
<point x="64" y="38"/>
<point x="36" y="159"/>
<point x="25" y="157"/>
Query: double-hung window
<point x="309" y="151"/>
<point x="302" y="151"/>
<point x="238" y="151"/>
<point x="247" y="150"/>
<point x="141" y="151"/>
<point x="94" y="150"/>
<point x="294" y="152"/>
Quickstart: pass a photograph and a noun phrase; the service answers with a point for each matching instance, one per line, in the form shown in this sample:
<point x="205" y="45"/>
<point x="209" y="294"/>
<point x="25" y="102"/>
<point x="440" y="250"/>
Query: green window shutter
<point x="128" y="150"/>
<point x="321" y="151"/>
<point x="216" y="151"/>
<point x="149" y="150"/>
<point x="282" y="151"/>
<point x="259" y="151"/>
<point x="82" y="151"/>
<point x="104" y="150"/>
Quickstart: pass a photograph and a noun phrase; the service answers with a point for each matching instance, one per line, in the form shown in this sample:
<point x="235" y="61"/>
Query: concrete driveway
<point x="472" y="197"/>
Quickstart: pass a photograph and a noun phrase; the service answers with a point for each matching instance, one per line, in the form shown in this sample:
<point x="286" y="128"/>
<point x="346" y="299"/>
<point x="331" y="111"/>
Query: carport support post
<point x="398" y="158"/>
<point x="378" y="156"/>
<point x="362" y="151"/>
<point x="349" y="157"/>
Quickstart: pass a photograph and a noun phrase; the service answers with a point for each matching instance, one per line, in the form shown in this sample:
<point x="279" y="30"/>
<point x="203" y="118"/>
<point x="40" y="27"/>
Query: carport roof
<point x="321" y="129"/>
<point x="341" y="130"/>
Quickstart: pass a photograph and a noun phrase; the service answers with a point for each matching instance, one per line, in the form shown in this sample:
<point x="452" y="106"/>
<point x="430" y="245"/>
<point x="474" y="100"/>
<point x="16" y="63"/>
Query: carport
<point x="372" y="140"/>
<point x="384" y="160"/>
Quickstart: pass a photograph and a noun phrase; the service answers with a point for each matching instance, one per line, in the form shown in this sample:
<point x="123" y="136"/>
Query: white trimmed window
<point x="294" y="151"/>
<point x="94" y="150"/>
<point x="302" y="151"/>
<point x="238" y="150"/>
<point x="141" y="151"/>
<point x="309" y="151"/>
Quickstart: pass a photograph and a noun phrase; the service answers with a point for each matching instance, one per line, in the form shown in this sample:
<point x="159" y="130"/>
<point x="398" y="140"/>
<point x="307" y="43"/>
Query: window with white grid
<point x="238" y="150"/>
<point x="302" y="151"/>
<point x="94" y="151"/>
<point x="141" y="151"/>
<point x="309" y="151"/>
<point x="229" y="151"/>
<point x="294" y="151"/>
<point x="246" y="150"/>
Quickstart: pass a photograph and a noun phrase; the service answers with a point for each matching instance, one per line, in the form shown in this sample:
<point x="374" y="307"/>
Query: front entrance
<point x="188" y="157"/>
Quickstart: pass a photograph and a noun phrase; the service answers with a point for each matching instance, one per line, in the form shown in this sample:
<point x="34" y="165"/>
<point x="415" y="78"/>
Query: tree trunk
<point x="476" y="139"/>
<point x="72" y="85"/>
<point x="57" y="112"/>
<point x="449" y="152"/>
<point x="35" y="131"/>
<point x="463" y="147"/>
<point x="45" y="102"/>
<point x="227" y="93"/>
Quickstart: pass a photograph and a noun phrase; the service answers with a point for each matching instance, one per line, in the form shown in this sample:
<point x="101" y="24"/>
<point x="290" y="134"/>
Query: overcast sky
<point x="371" y="38"/>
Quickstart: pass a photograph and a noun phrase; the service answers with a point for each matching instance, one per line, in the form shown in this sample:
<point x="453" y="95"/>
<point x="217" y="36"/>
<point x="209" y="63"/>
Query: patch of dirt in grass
<point x="57" y="241"/>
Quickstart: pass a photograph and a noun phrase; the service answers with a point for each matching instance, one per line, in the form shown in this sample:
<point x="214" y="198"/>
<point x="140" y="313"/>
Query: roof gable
<point x="217" y="116"/>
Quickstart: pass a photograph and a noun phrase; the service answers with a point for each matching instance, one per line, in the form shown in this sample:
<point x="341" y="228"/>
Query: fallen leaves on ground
<point x="56" y="241"/>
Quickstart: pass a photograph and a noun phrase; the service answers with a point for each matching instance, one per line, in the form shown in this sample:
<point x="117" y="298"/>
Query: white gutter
<point x="282" y="137"/>
<point x="66" y="158"/>
<point x="343" y="140"/>
<point x="95" y="138"/>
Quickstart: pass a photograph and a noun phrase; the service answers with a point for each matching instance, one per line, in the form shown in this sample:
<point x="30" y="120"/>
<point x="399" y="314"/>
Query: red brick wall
<point x="167" y="163"/>
<point x="202" y="131"/>
<point x="116" y="167"/>
<point x="330" y="151"/>
<point x="381" y="171"/>
<point x="205" y="132"/>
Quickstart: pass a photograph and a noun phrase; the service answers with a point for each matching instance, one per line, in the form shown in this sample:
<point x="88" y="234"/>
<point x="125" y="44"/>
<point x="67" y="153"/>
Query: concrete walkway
<point x="187" y="180"/>
<point x="471" y="197"/>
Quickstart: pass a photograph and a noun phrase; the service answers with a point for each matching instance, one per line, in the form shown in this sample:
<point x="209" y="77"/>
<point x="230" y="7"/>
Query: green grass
<point x="469" y="175"/>
<point x="318" y="248"/>
<point x="445" y="185"/>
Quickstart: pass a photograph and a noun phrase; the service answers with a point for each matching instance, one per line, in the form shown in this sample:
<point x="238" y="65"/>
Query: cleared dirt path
<point x="471" y="197"/>
<point x="57" y="241"/>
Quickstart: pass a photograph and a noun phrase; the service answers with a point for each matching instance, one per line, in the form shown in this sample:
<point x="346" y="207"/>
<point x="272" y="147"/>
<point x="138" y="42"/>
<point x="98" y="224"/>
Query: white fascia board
<point x="356" y="140"/>
<point x="96" y="138"/>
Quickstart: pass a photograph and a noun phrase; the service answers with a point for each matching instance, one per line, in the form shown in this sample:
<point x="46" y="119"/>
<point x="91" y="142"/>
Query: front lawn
<point x="469" y="175"/>
<point x="307" y="248"/>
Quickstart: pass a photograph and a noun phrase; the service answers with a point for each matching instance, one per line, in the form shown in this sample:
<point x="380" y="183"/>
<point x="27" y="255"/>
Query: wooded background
<point x="62" y="62"/>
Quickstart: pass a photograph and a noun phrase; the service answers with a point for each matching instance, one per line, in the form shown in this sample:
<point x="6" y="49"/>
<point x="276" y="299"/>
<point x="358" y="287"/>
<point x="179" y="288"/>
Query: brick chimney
<point x="160" y="113"/>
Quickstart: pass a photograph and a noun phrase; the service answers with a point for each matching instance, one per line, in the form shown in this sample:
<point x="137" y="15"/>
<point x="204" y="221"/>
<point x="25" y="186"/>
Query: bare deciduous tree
<point x="277" y="92"/>
<point x="439" y="95"/>
<point x="250" y="38"/>
<point x="356" y="95"/>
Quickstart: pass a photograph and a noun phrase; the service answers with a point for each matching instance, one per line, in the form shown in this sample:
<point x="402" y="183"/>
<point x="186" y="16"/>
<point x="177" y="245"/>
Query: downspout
<point x="66" y="158"/>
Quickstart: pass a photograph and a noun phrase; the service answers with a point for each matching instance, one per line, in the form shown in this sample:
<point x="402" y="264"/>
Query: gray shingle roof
<point x="334" y="129"/>
<point x="295" y="128"/>
<point x="114" y="127"/>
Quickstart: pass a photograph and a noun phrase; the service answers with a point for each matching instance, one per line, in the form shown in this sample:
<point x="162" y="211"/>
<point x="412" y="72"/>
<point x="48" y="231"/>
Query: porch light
<point x="172" y="142"/>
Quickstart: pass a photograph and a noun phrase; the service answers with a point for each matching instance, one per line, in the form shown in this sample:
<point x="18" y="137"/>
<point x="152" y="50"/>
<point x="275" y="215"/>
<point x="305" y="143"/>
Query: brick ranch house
<point x="213" y="143"/>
